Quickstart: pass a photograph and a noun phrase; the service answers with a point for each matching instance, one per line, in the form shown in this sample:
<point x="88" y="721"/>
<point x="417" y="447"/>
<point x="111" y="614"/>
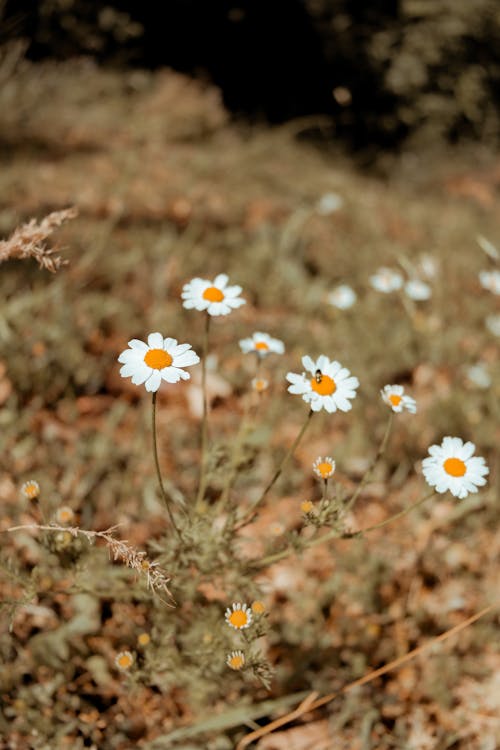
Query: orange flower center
<point x="325" y="387"/>
<point x="306" y="506"/>
<point x="262" y="346"/>
<point x="124" y="661"/>
<point x="455" y="467"/>
<point x="395" y="400"/>
<point x="238" y="618"/>
<point x="212" y="294"/>
<point x="237" y="662"/>
<point x="258" y="607"/>
<point x="325" y="469"/>
<point x="158" y="359"/>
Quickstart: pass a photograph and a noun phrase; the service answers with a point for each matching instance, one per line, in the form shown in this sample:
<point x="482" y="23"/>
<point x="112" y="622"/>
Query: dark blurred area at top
<point x="384" y="71"/>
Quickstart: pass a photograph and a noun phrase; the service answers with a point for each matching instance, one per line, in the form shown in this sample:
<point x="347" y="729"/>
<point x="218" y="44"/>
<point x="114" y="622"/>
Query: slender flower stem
<point x="251" y="513"/>
<point x="270" y="559"/>
<point x="204" y="423"/>
<point x="157" y="465"/>
<point x="378" y="456"/>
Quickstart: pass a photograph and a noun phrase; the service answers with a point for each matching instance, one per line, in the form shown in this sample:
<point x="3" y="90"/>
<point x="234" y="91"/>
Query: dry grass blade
<point x="309" y="704"/>
<point x="28" y="241"/>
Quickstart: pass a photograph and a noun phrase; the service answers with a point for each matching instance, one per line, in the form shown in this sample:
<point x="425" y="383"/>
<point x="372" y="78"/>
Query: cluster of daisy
<point x="386" y="280"/>
<point x="239" y="617"/>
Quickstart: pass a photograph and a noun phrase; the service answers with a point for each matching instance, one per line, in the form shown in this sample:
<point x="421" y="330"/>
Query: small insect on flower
<point x="124" y="660"/>
<point x="260" y="384"/>
<point x="31" y="489"/>
<point x="324" y="468"/>
<point x="452" y="467"/>
<point x="490" y="280"/>
<point x="343" y="297"/>
<point x="261" y="344"/>
<point x="331" y="386"/>
<point x="394" y="396"/>
<point x="239" y="617"/>
<point x="213" y="296"/>
<point x="386" y="280"/>
<point x="159" y="359"/>
<point x="418" y="290"/>
<point x="64" y="514"/>
<point x="235" y="660"/>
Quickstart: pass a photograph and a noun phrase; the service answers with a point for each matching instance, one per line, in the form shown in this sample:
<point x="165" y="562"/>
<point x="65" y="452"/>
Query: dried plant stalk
<point x="156" y="578"/>
<point x="28" y="241"/>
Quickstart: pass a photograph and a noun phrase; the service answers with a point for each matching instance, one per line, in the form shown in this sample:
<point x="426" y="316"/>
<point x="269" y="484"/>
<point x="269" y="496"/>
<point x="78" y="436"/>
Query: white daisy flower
<point x="493" y="324"/>
<point x="329" y="203"/>
<point x="324" y="468"/>
<point x="262" y="344"/>
<point x="31" y="489"/>
<point x="386" y="280"/>
<point x="213" y="296"/>
<point x="490" y="280"/>
<point x="239" y="617"/>
<point x="418" y="290"/>
<point x="331" y="386"/>
<point x="394" y="396"/>
<point x="452" y="467"/>
<point x="479" y="375"/>
<point x="159" y="359"/>
<point x="235" y="660"/>
<point x="428" y="265"/>
<point x="342" y="297"/>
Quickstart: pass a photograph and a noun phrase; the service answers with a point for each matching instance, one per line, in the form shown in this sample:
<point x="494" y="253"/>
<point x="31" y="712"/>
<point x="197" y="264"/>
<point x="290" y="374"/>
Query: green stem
<point x="204" y="423"/>
<point x="157" y="465"/>
<point x="270" y="559"/>
<point x="383" y="445"/>
<point x="251" y="513"/>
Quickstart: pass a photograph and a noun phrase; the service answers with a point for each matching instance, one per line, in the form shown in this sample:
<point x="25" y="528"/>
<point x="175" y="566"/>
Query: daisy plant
<point x="215" y="298"/>
<point x="161" y="359"/>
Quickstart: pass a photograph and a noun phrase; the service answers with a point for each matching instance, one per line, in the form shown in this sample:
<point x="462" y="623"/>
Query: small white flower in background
<point x="239" y="617"/>
<point x="394" y="396"/>
<point x="386" y="280"/>
<point x="260" y="384"/>
<point x="31" y="489"/>
<point x="159" y="359"/>
<point x="487" y="247"/>
<point x="452" y="467"/>
<point x="479" y="375"/>
<point x="331" y="386"/>
<point x="235" y="660"/>
<point x="490" y="280"/>
<point x="418" y="290"/>
<point x="329" y="203"/>
<point x="124" y="660"/>
<point x="428" y="266"/>
<point x="65" y="514"/>
<point x="324" y="468"/>
<point x="343" y="297"/>
<point x="493" y="324"/>
<point x="213" y="296"/>
<point x="262" y="344"/>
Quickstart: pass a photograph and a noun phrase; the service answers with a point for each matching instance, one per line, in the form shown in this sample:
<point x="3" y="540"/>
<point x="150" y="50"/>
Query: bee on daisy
<point x="394" y="396"/>
<point x="216" y="297"/>
<point x="452" y="467"/>
<point x="329" y="386"/>
<point x="159" y="359"/>
<point x="239" y="616"/>
<point x="261" y="344"/>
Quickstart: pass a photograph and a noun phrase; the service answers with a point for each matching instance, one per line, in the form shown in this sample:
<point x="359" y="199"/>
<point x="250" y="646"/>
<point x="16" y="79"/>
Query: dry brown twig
<point x="28" y="241"/>
<point x="312" y="702"/>
<point x="156" y="578"/>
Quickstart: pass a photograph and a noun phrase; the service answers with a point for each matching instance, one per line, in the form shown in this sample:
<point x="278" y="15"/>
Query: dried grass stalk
<point x="28" y="241"/>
